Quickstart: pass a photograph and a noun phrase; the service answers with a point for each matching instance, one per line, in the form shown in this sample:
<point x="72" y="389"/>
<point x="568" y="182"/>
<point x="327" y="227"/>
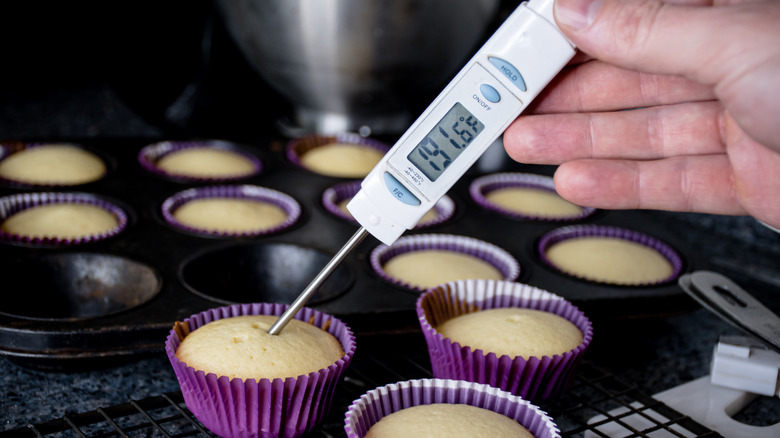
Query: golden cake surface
<point x="240" y="347"/>
<point x="513" y="331"/>
<point x="53" y="164"/>
<point x="610" y="260"/>
<point x="429" y="268"/>
<point x="231" y="215"/>
<point x="206" y="162"/>
<point x="342" y="159"/>
<point x="445" y="420"/>
<point x="533" y="202"/>
<point x="62" y="221"/>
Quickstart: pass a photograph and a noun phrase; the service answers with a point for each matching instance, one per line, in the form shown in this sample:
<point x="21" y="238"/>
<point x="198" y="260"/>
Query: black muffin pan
<point x="75" y="306"/>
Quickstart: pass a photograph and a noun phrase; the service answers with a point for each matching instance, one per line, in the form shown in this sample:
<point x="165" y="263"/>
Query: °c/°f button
<point x="400" y="192"/>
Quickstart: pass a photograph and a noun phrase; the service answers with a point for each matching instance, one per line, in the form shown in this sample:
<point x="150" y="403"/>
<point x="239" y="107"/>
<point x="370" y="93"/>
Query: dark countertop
<point x="654" y="353"/>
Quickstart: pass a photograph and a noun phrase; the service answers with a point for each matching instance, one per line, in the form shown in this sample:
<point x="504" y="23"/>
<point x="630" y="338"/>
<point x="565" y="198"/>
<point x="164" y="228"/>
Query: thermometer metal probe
<point x="524" y="54"/>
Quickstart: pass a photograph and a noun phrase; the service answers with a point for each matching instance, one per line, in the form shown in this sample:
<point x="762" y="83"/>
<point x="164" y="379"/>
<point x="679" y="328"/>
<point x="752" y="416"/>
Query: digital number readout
<point x="445" y="142"/>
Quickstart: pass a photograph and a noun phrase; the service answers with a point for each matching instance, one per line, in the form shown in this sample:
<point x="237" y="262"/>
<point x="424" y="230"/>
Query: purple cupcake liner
<point x="499" y="258"/>
<point x="8" y="149"/>
<point x="149" y="155"/>
<point x="10" y="205"/>
<point x="383" y="401"/>
<point x="297" y="147"/>
<point x="263" y="194"/>
<point x="480" y="187"/>
<point x="332" y="196"/>
<point x="259" y="408"/>
<point x="577" y="231"/>
<point x="531" y="378"/>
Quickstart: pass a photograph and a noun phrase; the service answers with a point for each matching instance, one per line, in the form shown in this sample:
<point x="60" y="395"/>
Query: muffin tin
<point x="90" y="303"/>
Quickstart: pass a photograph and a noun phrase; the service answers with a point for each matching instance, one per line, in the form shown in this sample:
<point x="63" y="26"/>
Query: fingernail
<point x="577" y="14"/>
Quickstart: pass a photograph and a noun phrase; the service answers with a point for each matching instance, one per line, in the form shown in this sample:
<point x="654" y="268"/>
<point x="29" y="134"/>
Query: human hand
<point x="705" y="81"/>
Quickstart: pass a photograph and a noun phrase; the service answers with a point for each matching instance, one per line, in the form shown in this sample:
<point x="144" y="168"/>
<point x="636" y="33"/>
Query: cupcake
<point x="343" y="155"/>
<point x="524" y="196"/>
<point x="445" y="408"/>
<point x="199" y="160"/>
<point x="59" y="218"/>
<point x="423" y="261"/>
<point x="236" y="402"/>
<point x="610" y="255"/>
<point x="533" y="324"/>
<point x="231" y="211"/>
<point x="336" y="198"/>
<point x="51" y="165"/>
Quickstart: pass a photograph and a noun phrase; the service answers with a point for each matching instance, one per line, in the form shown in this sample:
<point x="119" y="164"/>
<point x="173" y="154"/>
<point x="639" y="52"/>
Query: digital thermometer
<point x="524" y="54"/>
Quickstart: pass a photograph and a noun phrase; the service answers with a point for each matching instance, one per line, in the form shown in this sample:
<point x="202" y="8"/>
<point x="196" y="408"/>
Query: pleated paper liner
<point x="237" y="408"/>
<point x="239" y="163"/>
<point x="635" y="272"/>
<point x="532" y="378"/>
<point x="501" y="260"/>
<point x="378" y="403"/>
<point x="26" y="202"/>
<point x="286" y="203"/>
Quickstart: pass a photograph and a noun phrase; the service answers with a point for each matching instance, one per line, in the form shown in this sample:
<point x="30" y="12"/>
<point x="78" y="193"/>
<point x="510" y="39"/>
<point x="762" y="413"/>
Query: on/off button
<point x="489" y="93"/>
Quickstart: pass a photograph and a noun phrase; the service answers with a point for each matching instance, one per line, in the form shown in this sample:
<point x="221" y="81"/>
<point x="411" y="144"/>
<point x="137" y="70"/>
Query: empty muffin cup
<point x="525" y="196"/>
<point x="211" y="160"/>
<point x="261" y="407"/>
<point x="75" y="286"/>
<point x="231" y="211"/>
<point x="336" y="197"/>
<point x="610" y="255"/>
<point x="59" y="218"/>
<point x="381" y="402"/>
<point x="50" y="164"/>
<point x="344" y="155"/>
<point x="421" y="261"/>
<point x="533" y="377"/>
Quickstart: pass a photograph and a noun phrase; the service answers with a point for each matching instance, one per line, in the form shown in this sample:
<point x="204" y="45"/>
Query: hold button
<point x="509" y="70"/>
<point x="399" y="191"/>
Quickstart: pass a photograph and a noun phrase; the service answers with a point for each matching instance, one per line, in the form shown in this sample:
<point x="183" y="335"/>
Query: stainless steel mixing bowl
<point x="357" y="65"/>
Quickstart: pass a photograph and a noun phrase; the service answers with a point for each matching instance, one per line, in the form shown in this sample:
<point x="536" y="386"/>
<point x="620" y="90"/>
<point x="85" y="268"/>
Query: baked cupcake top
<point x="445" y="420"/>
<point x="205" y="162"/>
<point x="240" y="347"/>
<point x="422" y="261"/>
<point x="230" y="215"/>
<point x="513" y="331"/>
<point x="199" y="160"/>
<point x="60" y="221"/>
<point x="342" y="156"/>
<point x="427" y="268"/>
<point x="610" y="255"/>
<point x="231" y="210"/>
<point x="59" y="218"/>
<point x="52" y="164"/>
<point x="524" y="196"/>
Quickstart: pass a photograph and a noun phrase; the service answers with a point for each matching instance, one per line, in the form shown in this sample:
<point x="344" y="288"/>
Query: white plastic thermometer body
<point x="494" y="87"/>
<point x="505" y="75"/>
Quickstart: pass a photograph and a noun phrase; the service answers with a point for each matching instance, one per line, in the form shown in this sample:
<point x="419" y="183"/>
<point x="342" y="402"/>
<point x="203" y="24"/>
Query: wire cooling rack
<point x="597" y="405"/>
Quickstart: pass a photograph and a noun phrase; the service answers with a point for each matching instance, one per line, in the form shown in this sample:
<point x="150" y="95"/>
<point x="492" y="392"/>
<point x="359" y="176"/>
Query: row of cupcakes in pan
<point x="597" y="253"/>
<point x="604" y="254"/>
<point x="495" y="347"/>
<point x="64" y="164"/>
